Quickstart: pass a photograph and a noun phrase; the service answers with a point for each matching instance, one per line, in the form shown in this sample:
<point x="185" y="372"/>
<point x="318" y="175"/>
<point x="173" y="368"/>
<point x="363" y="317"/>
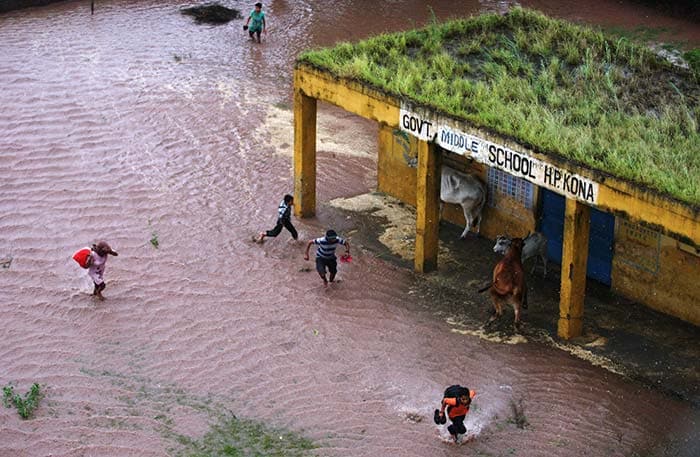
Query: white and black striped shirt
<point x="284" y="210"/>
<point x="326" y="248"/>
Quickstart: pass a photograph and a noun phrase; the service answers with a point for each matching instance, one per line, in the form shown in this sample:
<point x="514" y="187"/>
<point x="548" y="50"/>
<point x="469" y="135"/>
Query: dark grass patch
<point x="518" y="418"/>
<point x="693" y="59"/>
<point x="640" y="33"/>
<point x="228" y="435"/>
<point x="212" y="13"/>
<point x="240" y="437"/>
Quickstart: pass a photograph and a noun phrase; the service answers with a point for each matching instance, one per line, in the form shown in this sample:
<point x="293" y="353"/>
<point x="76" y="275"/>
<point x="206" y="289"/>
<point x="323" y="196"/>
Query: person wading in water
<point x="325" y="254"/>
<point x="255" y="25"/>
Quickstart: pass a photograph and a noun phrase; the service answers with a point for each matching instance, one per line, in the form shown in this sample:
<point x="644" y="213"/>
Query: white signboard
<point x="416" y="125"/>
<point x="498" y="156"/>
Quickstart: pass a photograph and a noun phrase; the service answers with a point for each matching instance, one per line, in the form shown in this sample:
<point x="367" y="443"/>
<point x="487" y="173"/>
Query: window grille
<point x="502" y="184"/>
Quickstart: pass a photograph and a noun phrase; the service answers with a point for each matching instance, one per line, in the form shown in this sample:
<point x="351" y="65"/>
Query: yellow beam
<point x="351" y="96"/>
<point x="304" y="154"/>
<point x="573" y="269"/>
<point x="427" y="207"/>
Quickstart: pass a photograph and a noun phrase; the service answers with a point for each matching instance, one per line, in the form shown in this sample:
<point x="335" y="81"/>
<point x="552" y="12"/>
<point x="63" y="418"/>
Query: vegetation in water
<point x="25" y="404"/>
<point x="154" y="240"/>
<point x="239" y="437"/>
<point x="227" y="435"/>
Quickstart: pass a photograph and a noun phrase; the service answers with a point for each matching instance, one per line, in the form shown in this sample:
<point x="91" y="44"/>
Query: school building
<point x="641" y="242"/>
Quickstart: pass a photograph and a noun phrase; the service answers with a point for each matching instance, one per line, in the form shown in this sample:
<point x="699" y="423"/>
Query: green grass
<point x="154" y="240"/>
<point x="25" y="405"/>
<point x="227" y="434"/>
<point x="239" y="437"/>
<point x="693" y="59"/>
<point x="602" y="101"/>
<point x="154" y="236"/>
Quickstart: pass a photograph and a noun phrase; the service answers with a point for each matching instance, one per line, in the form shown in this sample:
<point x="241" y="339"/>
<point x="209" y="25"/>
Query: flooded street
<point x="139" y="127"/>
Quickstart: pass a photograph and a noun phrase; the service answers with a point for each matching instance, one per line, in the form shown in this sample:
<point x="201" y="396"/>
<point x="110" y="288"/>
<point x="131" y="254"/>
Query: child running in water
<point x="325" y="254"/>
<point x="457" y="400"/>
<point x="284" y="219"/>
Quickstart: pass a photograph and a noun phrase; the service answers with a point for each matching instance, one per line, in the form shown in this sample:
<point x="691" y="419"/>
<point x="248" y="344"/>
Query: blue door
<point x="600" y="242"/>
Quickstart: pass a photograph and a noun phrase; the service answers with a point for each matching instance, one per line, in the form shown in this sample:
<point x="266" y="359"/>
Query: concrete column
<point x="573" y="269"/>
<point x="427" y="207"/>
<point x="304" y="155"/>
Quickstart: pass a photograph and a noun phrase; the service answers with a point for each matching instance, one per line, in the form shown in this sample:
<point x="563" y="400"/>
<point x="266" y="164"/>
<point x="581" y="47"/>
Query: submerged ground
<point x="135" y="125"/>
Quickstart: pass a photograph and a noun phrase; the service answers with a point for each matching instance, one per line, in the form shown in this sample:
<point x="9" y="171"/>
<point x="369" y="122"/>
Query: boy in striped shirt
<point x="284" y="219"/>
<point x="325" y="254"/>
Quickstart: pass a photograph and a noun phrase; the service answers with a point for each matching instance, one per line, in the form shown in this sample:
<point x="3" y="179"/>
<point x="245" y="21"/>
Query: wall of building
<point x="648" y="267"/>
<point x="397" y="159"/>
<point x="656" y="270"/>
<point x="396" y="176"/>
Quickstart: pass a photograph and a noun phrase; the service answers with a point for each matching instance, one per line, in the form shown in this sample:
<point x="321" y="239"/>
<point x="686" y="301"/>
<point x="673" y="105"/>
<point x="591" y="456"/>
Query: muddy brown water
<point x="135" y="124"/>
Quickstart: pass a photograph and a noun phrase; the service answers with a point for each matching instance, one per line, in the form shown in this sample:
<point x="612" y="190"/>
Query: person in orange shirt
<point x="456" y="400"/>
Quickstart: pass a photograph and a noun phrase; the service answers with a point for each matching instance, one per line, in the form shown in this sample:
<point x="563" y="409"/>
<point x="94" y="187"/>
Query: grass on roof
<point x="565" y="89"/>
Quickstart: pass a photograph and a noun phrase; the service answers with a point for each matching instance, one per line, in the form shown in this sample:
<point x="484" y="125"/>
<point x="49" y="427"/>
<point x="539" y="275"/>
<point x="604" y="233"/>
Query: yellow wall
<point x="396" y="176"/>
<point x="656" y="270"/>
<point x="396" y="164"/>
<point x="648" y="267"/>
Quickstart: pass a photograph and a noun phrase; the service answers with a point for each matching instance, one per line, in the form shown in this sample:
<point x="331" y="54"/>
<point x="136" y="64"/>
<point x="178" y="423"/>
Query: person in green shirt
<point x="255" y="25"/>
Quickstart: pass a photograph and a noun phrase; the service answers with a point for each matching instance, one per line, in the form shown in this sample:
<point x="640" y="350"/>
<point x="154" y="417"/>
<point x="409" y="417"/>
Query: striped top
<point x="284" y="210"/>
<point x="326" y="249"/>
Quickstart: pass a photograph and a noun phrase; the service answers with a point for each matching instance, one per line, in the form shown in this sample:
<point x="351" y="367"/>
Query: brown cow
<point x="508" y="285"/>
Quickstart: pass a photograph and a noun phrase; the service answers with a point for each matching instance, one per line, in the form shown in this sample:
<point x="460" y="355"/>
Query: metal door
<point x="600" y="242"/>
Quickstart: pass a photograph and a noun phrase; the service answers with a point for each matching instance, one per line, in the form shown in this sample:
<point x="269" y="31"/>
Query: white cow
<point x="465" y="190"/>
<point x="534" y="245"/>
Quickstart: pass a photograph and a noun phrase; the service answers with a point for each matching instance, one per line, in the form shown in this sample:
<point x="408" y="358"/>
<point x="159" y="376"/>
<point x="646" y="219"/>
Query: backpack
<point x="82" y="257"/>
<point x="456" y="391"/>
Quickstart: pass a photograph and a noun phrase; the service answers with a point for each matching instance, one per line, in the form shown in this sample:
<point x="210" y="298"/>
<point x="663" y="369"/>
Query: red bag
<point x="82" y="257"/>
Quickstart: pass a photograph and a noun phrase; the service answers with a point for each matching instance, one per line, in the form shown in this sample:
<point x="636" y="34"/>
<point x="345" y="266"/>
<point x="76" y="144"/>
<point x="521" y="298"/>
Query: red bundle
<point x="82" y="257"/>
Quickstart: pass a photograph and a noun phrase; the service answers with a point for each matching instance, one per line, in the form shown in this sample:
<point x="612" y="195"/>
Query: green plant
<point x="154" y="240"/>
<point x="25" y="405"/>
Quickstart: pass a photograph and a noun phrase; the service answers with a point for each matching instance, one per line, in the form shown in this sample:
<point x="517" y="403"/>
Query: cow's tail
<point x="483" y="289"/>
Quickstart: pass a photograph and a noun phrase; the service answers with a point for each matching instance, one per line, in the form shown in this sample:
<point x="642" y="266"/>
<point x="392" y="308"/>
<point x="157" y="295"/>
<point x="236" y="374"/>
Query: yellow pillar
<point x="427" y="207"/>
<point x="573" y="269"/>
<point x="304" y="155"/>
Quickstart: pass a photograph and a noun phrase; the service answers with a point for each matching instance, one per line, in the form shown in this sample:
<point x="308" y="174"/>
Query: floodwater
<point x="137" y="126"/>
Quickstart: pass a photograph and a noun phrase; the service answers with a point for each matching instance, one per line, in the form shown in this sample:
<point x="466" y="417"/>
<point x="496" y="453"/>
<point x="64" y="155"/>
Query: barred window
<point x="503" y="184"/>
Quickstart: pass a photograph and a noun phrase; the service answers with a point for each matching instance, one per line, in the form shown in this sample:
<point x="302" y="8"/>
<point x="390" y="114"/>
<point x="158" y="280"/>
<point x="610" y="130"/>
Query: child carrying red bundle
<point x="94" y="260"/>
